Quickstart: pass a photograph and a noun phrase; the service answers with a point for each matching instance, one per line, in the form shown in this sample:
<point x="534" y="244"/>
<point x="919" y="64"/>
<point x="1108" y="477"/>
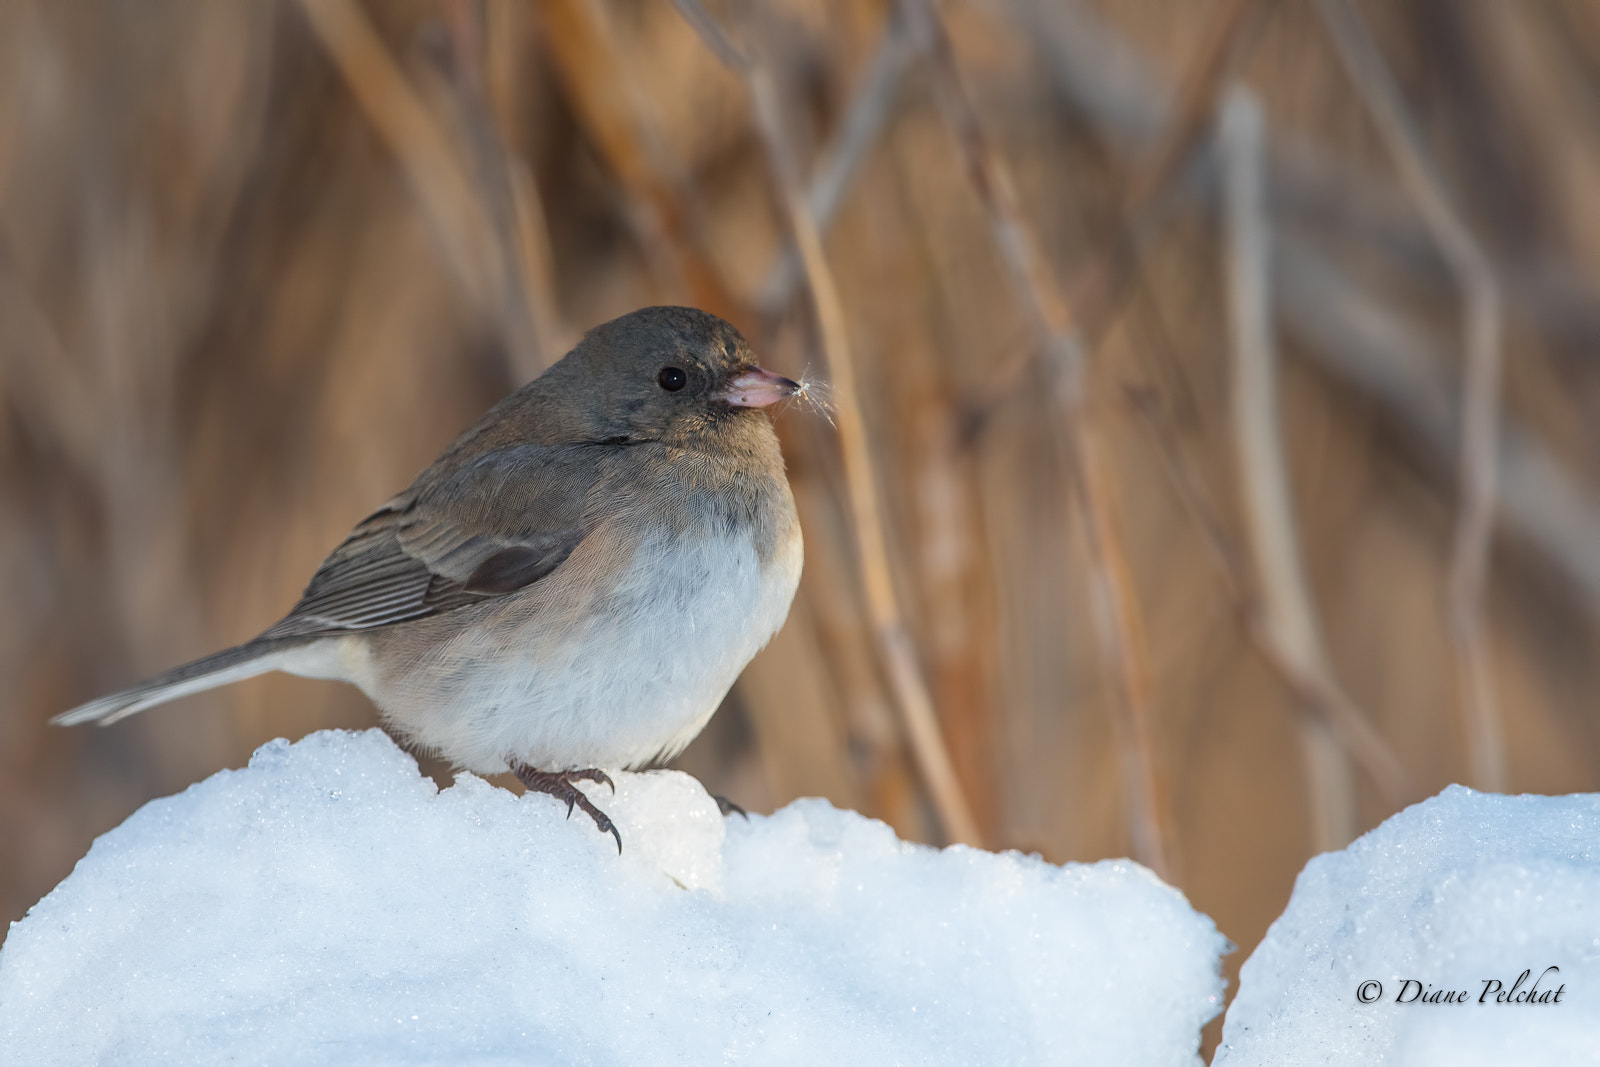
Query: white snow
<point x="1455" y="893"/>
<point x="328" y="904"/>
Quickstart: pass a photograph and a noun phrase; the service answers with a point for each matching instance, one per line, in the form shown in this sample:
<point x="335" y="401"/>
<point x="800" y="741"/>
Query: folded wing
<point x="507" y="527"/>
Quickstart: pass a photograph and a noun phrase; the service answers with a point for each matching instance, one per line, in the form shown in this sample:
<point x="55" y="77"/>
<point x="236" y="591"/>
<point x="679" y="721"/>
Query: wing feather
<point x="409" y="561"/>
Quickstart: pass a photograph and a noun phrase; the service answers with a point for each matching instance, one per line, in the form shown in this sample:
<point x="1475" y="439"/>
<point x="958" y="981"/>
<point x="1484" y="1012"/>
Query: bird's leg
<point x="559" y="784"/>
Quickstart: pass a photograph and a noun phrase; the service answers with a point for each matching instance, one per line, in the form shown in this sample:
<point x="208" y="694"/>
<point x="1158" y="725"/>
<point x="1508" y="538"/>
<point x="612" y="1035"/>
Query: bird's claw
<point x="560" y="784"/>
<point x="728" y="807"/>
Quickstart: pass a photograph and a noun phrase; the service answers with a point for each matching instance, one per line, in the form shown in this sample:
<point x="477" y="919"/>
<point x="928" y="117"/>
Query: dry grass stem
<point x="1364" y="340"/>
<point x="493" y="169"/>
<point x="898" y="655"/>
<point x="1197" y="99"/>
<point x="1355" y="334"/>
<point x="603" y="91"/>
<point x="841" y="158"/>
<point x="1480" y="391"/>
<point x="416" y="138"/>
<point x="1098" y="291"/>
<point x="508" y="34"/>
<point x="1288" y="613"/>
<point x="1312" y="685"/>
<point x="1112" y="594"/>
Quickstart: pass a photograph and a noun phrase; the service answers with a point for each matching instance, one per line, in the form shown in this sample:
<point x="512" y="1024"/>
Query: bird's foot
<point x="560" y="784"/>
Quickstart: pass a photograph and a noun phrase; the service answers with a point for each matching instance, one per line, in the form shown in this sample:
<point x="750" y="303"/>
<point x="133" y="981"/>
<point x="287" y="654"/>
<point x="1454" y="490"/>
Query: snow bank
<point x="329" y="905"/>
<point x="1454" y="895"/>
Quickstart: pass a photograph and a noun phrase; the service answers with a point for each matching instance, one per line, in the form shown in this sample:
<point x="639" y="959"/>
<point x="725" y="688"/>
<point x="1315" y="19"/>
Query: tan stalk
<point x="1288" y="613"/>
<point x="1480" y="387"/>
<point x="422" y="146"/>
<point x="1116" y="610"/>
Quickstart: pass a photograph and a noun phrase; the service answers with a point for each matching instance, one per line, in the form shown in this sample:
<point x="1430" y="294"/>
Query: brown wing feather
<point x="406" y="562"/>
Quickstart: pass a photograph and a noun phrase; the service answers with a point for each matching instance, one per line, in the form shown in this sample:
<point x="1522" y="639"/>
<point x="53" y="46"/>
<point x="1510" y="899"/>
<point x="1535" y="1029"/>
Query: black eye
<point x="672" y="379"/>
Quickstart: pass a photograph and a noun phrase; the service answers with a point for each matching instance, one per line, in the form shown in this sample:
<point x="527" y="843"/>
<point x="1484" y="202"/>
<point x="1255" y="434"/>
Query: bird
<point x="574" y="584"/>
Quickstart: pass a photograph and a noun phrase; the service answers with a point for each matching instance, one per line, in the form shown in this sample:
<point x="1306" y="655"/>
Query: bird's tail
<point x="220" y="668"/>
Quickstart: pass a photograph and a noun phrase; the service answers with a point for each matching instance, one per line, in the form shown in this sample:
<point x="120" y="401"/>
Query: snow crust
<point x="328" y="904"/>
<point x="1454" y="894"/>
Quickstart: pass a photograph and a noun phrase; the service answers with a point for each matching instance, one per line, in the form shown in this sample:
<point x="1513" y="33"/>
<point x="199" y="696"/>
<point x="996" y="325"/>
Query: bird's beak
<point x="756" y="388"/>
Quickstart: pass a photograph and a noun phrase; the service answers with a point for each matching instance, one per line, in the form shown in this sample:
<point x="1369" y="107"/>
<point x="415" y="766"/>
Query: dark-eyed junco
<point x="574" y="584"/>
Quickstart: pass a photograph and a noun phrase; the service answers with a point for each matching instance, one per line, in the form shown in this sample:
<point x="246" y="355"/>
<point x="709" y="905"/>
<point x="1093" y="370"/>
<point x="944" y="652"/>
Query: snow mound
<point x="1441" y="909"/>
<point x="328" y="904"/>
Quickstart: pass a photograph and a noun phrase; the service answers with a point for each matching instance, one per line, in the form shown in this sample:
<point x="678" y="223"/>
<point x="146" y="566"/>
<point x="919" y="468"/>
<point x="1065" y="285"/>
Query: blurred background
<point x="1174" y="347"/>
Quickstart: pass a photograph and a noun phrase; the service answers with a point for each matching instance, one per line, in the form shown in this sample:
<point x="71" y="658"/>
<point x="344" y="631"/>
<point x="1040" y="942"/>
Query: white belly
<point x="629" y="679"/>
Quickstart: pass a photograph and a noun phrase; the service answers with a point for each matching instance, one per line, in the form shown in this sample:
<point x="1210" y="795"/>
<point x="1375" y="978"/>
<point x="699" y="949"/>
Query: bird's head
<point x="670" y="374"/>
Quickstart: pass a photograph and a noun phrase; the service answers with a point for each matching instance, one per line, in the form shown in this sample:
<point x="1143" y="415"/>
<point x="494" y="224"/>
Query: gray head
<point x="660" y="373"/>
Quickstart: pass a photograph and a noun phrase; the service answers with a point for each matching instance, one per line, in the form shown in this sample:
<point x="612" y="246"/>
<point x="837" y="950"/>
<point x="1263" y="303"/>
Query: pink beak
<point x="757" y="388"/>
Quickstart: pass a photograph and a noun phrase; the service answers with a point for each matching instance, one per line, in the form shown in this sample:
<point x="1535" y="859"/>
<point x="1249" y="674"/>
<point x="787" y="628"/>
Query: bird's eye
<point x="672" y="379"/>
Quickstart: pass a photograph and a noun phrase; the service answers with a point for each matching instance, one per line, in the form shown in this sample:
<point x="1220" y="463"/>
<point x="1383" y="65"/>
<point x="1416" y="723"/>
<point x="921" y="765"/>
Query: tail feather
<point x="220" y="668"/>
